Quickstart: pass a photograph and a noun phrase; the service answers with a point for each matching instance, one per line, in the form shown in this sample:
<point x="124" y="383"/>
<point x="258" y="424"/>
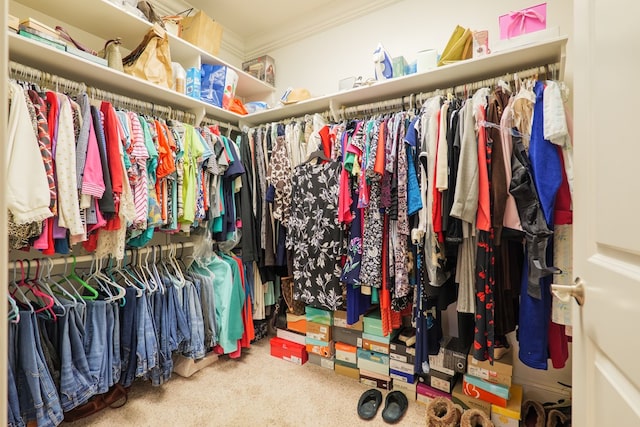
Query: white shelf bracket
<point x="332" y="109"/>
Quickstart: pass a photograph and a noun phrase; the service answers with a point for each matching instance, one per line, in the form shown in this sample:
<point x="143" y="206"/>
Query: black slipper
<point x="395" y="406"/>
<point x="369" y="403"/>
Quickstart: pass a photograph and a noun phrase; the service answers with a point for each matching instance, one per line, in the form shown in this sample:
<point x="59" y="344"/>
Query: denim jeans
<point x="77" y="384"/>
<point x="162" y="371"/>
<point x="207" y="301"/>
<point x="37" y="393"/>
<point x="178" y="325"/>
<point x="13" y="407"/>
<point x="128" y="340"/>
<point x="116" y="361"/>
<point x="195" y="347"/>
<point x="95" y="344"/>
<point x="147" y="344"/>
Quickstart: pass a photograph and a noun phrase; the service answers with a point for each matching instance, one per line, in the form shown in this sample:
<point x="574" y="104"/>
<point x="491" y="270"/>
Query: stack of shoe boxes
<point x="402" y="355"/>
<point x="318" y="339"/>
<point x="290" y="342"/>
<point x="347" y="338"/>
<point x="373" y="357"/>
<point x="445" y="369"/>
<point x="492" y="385"/>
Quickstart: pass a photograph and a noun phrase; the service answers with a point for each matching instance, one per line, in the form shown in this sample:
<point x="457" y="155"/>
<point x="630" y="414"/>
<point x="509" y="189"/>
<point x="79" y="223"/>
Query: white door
<point x="606" y="351"/>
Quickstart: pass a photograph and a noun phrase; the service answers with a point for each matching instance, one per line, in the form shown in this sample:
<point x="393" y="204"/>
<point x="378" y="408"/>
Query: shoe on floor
<point x="533" y="414"/>
<point x="475" y="418"/>
<point x="556" y="418"/>
<point x="369" y="403"/>
<point x="395" y="406"/>
<point x="442" y="413"/>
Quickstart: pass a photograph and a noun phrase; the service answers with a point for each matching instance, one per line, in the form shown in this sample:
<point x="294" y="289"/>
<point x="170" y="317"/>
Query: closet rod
<point x="59" y="84"/>
<point x="207" y="121"/>
<point x="25" y="73"/>
<point x="90" y="257"/>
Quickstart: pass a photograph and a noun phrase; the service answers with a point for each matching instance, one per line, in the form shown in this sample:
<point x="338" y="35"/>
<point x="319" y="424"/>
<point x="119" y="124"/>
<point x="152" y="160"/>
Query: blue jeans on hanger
<point x="178" y="326"/>
<point x="162" y="372"/>
<point x="195" y="348"/>
<point x="96" y="342"/>
<point x="116" y="361"/>
<point x="77" y="384"/>
<point x="13" y="407"/>
<point x="37" y="393"/>
<point x="147" y="344"/>
<point x="128" y="337"/>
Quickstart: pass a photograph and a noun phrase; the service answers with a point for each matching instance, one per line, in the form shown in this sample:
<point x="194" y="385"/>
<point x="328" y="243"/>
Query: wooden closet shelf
<point x="472" y="70"/>
<point x="54" y="61"/>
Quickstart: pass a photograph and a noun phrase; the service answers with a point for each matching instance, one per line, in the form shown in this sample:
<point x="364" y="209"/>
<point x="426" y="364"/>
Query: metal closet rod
<point x="207" y="121"/>
<point x="90" y="257"/>
<point x="51" y="81"/>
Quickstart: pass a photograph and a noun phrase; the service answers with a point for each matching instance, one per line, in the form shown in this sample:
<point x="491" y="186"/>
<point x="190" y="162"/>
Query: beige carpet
<point x="256" y="390"/>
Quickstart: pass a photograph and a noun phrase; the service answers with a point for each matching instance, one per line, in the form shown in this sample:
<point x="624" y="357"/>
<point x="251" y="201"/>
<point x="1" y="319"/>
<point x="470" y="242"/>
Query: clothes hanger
<point x="41" y="284"/>
<point x="73" y="277"/>
<point x="129" y="270"/>
<point x="110" y="283"/>
<point x="78" y="297"/>
<point x="119" y="269"/>
<point x="51" y="285"/>
<point x="154" y="269"/>
<point x="46" y="300"/>
<point x="14" y="313"/>
<point x="17" y="290"/>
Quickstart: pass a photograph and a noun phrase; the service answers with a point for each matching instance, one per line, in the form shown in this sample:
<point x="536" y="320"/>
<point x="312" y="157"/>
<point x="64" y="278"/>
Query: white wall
<point x="404" y="28"/>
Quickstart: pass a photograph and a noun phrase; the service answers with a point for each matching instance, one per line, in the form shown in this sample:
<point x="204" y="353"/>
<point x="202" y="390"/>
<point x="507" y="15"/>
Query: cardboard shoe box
<point x="497" y="389"/>
<point x="374" y="379"/>
<point x="347" y="369"/>
<point x="319" y="331"/>
<point x="468" y="402"/>
<point x="373" y="324"/>
<point x="441" y="381"/>
<point x="425" y="394"/>
<point x="373" y="362"/>
<point x="452" y="356"/>
<point x="509" y="416"/>
<point x="400" y="376"/>
<point x="409" y="389"/>
<point x="324" y="362"/>
<point x="346" y="353"/>
<point x="296" y="337"/>
<point x="401" y="352"/>
<point x="321" y="348"/>
<point x="348" y="336"/>
<point x="499" y="373"/>
<point x="318" y="315"/>
<point x="479" y="393"/>
<point x="297" y="323"/>
<point x="340" y="320"/>
<point x="371" y="343"/>
<point x="289" y="351"/>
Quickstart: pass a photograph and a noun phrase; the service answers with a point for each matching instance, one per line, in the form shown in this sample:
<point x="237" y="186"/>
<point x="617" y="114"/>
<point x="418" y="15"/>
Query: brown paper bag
<point x="202" y="31"/>
<point x="151" y="60"/>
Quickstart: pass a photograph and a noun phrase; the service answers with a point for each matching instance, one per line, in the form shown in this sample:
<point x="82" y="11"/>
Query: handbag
<point x="293" y="306"/>
<point x="64" y="34"/>
<point x="151" y="60"/>
<point x="458" y="48"/>
<point x="150" y="13"/>
<point x="112" y="54"/>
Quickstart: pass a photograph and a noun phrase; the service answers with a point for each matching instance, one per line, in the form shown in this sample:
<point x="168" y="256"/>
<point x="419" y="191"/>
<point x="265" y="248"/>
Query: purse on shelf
<point x="151" y="60"/>
<point x="150" y="13"/>
<point x="65" y="35"/>
<point x="293" y="306"/>
<point x="112" y="54"/>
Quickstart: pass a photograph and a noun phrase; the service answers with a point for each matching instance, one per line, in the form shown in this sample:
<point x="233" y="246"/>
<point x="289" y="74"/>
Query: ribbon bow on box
<point x="523" y="21"/>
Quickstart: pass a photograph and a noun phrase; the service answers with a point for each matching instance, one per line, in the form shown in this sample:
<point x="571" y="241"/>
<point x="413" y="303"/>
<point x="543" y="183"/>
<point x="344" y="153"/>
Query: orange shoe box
<point x="297" y="323"/>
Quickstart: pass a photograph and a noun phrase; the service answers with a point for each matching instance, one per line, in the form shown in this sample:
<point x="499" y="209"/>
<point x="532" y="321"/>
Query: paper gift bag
<point x="458" y="48"/>
<point x="202" y="31"/>
<point x="523" y="21"/>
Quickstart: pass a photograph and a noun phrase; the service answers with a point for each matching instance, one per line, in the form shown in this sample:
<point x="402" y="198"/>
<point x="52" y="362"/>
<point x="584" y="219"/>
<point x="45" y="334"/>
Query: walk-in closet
<point x="319" y="213"/>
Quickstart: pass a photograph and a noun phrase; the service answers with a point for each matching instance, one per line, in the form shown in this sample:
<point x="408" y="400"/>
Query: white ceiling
<point x="254" y="27"/>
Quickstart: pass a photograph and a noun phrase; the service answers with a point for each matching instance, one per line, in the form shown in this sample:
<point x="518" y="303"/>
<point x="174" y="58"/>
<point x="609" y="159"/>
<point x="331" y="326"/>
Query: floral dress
<point x="315" y="235"/>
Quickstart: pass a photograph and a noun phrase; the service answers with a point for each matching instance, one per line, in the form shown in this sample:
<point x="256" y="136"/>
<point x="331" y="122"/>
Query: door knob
<point x="576" y="291"/>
